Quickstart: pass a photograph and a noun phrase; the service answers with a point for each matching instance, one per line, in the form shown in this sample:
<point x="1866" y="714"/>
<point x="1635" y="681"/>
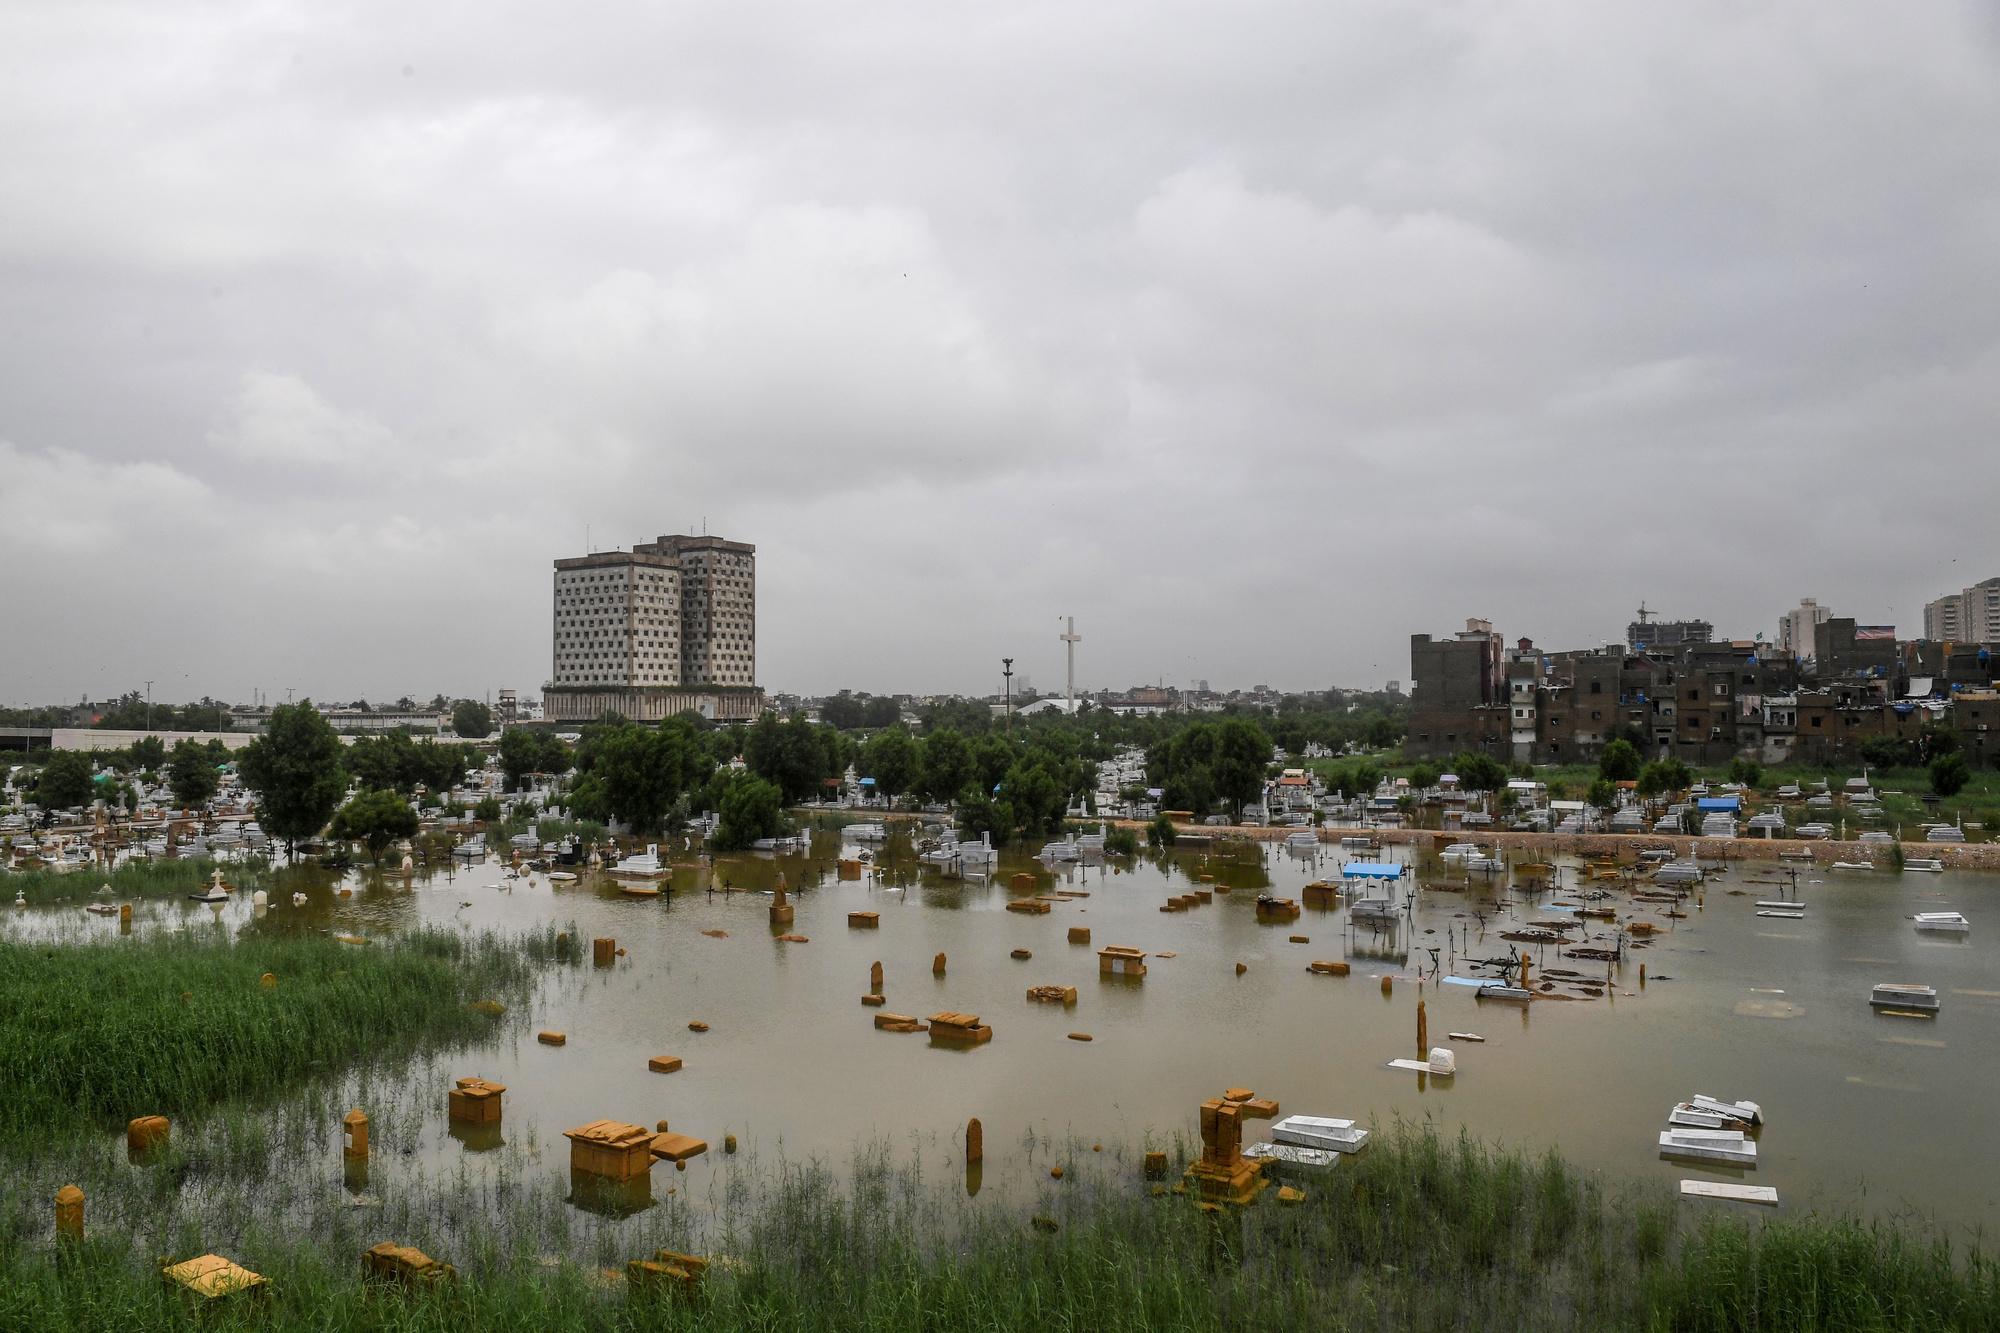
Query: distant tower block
<point x="1070" y="639"/>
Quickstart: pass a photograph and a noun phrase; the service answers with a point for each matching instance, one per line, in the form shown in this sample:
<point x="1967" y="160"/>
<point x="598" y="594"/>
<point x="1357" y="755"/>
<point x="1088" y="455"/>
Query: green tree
<point x="471" y="719"/>
<point x="1423" y="777"/>
<point x="1160" y="833"/>
<point x="1367" y="777"/>
<point x="1208" y="762"/>
<point x="1241" y="752"/>
<point x="382" y="762"/>
<point x="1746" y="771"/>
<point x="556" y="757"/>
<point x="968" y="717"/>
<point x="437" y="765"/>
<point x="374" y="817"/>
<point x="637" y="774"/>
<point x="525" y="754"/>
<point x="792" y="755"/>
<point x="892" y="758"/>
<point x="192" y="774"/>
<point x="1032" y="799"/>
<point x="1663" y="776"/>
<point x="749" y="808"/>
<point x="947" y="768"/>
<point x="1936" y="739"/>
<point x="992" y="755"/>
<point x="1602" y="795"/>
<point x="295" y="769"/>
<point x="1949" y="774"/>
<point x="1479" y="772"/>
<point x="850" y="711"/>
<point x="148" y="753"/>
<point x="66" y="780"/>
<point x="1619" y="762"/>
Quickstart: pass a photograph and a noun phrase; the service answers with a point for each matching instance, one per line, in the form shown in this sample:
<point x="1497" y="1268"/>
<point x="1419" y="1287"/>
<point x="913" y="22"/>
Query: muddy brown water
<point x="1883" y="1115"/>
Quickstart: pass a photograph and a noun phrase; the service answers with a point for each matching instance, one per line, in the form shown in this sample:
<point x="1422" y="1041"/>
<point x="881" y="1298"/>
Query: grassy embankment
<point x="1417" y="1233"/>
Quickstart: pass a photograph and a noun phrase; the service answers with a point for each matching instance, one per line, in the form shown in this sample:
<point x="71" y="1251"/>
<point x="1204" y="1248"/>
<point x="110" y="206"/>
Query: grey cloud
<point x="1256" y="336"/>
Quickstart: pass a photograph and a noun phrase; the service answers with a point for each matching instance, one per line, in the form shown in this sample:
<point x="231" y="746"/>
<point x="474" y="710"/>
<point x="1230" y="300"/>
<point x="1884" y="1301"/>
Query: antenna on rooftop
<point x="1643" y="612"/>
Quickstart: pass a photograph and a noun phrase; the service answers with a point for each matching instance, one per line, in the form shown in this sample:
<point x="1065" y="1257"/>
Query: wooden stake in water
<point x="1423" y="1033"/>
<point x="975" y="1142"/>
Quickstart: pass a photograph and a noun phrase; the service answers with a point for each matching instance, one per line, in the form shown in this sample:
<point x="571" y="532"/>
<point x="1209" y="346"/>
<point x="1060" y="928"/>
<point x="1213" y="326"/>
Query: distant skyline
<point x="1036" y="676"/>
<point x="1255" y="336"/>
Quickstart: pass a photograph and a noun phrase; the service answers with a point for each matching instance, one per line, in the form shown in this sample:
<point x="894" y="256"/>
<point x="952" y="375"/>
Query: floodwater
<point x="1863" y="1111"/>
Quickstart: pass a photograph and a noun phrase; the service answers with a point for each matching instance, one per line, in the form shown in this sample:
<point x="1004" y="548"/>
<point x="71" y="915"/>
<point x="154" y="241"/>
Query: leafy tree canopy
<point x="375" y="818"/>
<point x="793" y="755"/>
<point x="1949" y="774"/>
<point x="891" y="758"/>
<point x="193" y="775"/>
<point x="471" y="720"/>
<point x="947" y="768"/>
<point x="295" y="769"/>
<point x="1479" y="772"/>
<point x="749" y="808"/>
<point x="1619" y="762"/>
<point x="849" y="711"/>
<point x="66" y="780"/>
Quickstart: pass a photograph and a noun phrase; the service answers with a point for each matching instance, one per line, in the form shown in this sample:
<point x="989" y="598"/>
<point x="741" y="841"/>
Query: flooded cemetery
<point x="692" y="1034"/>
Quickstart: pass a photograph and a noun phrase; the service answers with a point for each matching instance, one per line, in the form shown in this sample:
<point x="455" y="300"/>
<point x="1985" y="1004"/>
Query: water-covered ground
<point x="1877" y="1113"/>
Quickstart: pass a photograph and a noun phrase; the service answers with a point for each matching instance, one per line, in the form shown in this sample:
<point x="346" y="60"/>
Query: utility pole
<point x="149" y="705"/>
<point x="1007" y="671"/>
<point x="1070" y="639"/>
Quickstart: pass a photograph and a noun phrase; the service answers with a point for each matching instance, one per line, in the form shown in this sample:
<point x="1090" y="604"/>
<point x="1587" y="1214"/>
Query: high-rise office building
<point x="667" y="627"/>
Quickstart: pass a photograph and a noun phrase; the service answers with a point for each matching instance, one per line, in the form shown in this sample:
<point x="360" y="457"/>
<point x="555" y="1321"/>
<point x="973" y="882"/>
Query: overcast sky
<point x="1255" y="336"/>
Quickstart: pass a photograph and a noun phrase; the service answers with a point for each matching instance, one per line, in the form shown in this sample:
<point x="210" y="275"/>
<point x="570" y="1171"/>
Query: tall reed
<point x="1420" y="1232"/>
<point x="104" y="1031"/>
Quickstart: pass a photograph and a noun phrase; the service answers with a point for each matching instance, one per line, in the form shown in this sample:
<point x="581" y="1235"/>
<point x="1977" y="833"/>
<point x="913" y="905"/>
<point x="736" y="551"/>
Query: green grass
<point x="98" y="1033"/>
<point x="135" y="879"/>
<point x="1420" y="1232"/>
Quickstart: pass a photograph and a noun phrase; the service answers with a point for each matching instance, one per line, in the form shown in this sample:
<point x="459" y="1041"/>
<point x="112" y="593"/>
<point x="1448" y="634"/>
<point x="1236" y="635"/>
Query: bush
<point x="749" y="808"/>
<point x="1619" y="762"/>
<point x="1160" y="833"/>
<point x="1121" y="842"/>
<point x="1949" y="774"/>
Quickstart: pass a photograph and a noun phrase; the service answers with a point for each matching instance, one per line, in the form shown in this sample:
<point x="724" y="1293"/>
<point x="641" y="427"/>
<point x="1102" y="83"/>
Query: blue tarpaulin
<point x="1371" y="870"/>
<point x="1718" y="803"/>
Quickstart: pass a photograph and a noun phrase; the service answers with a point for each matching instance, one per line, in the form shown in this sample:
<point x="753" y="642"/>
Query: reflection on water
<point x="792" y="1059"/>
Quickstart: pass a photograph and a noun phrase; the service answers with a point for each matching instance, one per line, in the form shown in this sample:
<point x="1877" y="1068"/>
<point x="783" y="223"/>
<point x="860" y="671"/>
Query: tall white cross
<point x="1072" y="639"/>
